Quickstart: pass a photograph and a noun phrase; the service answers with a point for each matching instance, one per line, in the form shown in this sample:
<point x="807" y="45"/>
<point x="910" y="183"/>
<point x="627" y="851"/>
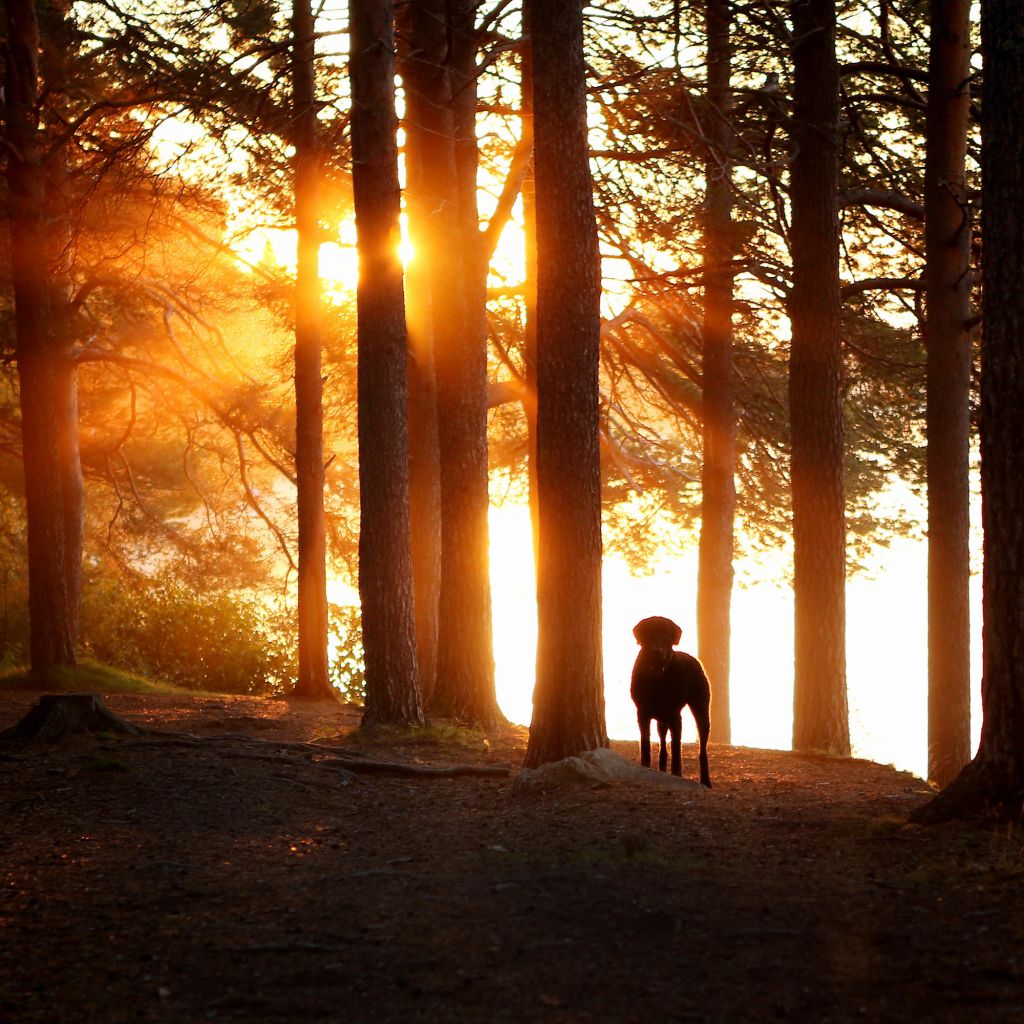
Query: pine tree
<point x="568" y="707"/>
<point x="313" y="681"/>
<point x="47" y="373"/>
<point x="385" y="560"/>
<point x="820" y="717"/>
<point x="994" y="780"/>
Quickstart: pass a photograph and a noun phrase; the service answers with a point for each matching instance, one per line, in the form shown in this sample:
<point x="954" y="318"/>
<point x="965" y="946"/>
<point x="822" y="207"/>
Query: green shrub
<point x="224" y="642"/>
<point x="164" y="629"/>
<point x="345" y="648"/>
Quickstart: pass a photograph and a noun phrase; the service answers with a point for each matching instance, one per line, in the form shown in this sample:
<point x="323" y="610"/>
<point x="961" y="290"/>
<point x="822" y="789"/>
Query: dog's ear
<point x="657" y="629"/>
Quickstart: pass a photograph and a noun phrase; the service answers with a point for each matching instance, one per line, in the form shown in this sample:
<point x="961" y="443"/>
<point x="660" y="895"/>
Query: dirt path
<point x="175" y="884"/>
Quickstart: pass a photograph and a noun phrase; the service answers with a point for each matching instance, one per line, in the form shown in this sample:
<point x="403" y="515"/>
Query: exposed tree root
<point x="55" y="716"/>
<point x="979" y="791"/>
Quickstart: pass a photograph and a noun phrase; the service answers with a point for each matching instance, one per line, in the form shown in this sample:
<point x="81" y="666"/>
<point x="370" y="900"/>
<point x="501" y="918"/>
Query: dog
<point x="664" y="682"/>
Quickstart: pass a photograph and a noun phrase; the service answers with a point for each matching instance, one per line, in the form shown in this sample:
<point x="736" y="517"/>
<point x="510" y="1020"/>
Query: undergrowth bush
<point x="225" y="642"/>
<point x="345" y="649"/>
<point x="164" y="629"/>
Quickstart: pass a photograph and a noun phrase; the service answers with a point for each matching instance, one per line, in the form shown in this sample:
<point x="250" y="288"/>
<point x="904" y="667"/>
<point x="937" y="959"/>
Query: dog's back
<point x="662" y="692"/>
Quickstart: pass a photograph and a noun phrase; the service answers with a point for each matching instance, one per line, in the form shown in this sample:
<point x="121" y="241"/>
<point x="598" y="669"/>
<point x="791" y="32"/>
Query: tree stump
<point x="55" y="716"/>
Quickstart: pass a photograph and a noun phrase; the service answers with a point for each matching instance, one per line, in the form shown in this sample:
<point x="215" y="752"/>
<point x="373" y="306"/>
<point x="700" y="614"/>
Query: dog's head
<point x="656" y="636"/>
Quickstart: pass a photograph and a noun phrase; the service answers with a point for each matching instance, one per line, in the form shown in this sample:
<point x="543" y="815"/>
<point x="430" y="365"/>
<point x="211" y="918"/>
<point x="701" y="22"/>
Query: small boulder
<point x="592" y="768"/>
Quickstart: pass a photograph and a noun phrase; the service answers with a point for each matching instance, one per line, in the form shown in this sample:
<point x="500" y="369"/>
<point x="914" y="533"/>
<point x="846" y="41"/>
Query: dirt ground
<point x="147" y="881"/>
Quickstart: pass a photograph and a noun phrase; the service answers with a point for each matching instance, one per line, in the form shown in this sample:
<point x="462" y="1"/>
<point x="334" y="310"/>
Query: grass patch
<point x="436" y="736"/>
<point x="886" y="827"/>
<point x="444" y="735"/>
<point x="88" y="677"/>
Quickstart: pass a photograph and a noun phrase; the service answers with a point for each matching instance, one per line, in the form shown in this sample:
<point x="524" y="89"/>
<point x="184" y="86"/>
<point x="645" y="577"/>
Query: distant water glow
<point x="886" y="644"/>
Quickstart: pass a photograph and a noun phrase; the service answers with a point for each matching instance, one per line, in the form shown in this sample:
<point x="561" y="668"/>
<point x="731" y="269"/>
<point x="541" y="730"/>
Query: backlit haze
<point x="886" y="643"/>
<point x="886" y="603"/>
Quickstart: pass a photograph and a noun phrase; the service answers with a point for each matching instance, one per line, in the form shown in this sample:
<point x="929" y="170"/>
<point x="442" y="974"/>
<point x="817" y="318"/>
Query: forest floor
<point x="151" y="881"/>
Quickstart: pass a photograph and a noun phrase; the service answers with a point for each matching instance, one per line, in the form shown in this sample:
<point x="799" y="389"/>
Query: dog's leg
<point x="676" y="729"/>
<point x="703" y="719"/>
<point x="645" y="740"/>
<point x="663" y="750"/>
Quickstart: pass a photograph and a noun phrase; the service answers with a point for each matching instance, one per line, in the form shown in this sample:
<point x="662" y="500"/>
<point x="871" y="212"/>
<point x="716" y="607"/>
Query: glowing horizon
<point x="886" y="644"/>
<point x="887" y="667"/>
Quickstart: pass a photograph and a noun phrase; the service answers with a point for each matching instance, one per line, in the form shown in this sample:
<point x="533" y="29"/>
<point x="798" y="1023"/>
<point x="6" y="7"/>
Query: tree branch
<point x="882" y="199"/>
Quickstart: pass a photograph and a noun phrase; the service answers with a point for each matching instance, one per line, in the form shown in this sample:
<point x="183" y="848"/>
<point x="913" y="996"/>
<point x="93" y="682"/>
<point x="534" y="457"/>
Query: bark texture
<point x="313" y="682"/>
<point x="994" y="780"/>
<point x="568" y="707"/>
<point x="718" y="486"/>
<point x="820" y="717"/>
<point x="385" y="560"/>
<point x="444" y="49"/>
<point x="424" y="453"/>
<point x="948" y="346"/>
<point x="46" y="370"/>
<point x="529" y="193"/>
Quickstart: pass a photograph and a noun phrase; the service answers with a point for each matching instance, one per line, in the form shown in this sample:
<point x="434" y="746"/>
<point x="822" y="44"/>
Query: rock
<point x="595" y="767"/>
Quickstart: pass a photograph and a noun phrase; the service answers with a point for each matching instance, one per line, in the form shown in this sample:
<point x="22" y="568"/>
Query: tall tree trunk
<point x="465" y="659"/>
<point x="568" y="704"/>
<point x="42" y="374"/>
<point x="820" y="717"/>
<point x="57" y="48"/>
<point x="46" y="372"/>
<point x="71" y="485"/>
<point x="424" y="454"/>
<point x="718" y="487"/>
<point x="313" y="682"/>
<point x="995" y="778"/>
<point x="529" y="193"/>
<point x="947" y="337"/>
<point x="385" y="560"/>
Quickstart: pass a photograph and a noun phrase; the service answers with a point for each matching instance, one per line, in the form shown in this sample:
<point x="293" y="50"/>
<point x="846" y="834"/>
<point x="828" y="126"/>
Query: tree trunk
<point x="55" y="716"/>
<point x="46" y="373"/>
<point x="994" y="780"/>
<point x="313" y="682"/>
<point x="385" y="560"/>
<point x="568" y="706"/>
<point x="464" y="686"/>
<point x="718" y="487"/>
<point x="529" y="193"/>
<point x="55" y="28"/>
<point x="465" y="659"/>
<point x="424" y="454"/>
<point x="41" y="373"/>
<point x="948" y="346"/>
<point x="820" y="718"/>
<point x="72" y="487"/>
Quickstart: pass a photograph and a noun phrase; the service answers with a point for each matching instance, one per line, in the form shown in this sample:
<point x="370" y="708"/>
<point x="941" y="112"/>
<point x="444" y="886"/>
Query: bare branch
<point x="883" y="200"/>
